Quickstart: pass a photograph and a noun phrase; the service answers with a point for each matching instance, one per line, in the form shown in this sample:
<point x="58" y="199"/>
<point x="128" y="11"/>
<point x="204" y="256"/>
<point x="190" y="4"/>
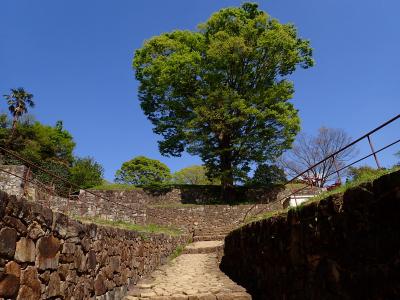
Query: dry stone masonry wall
<point x="46" y="255"/>
<point x="344" y="247"/>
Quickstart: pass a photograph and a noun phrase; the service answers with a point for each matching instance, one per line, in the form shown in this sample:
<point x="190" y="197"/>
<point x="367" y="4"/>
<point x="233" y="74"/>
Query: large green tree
<point x="222" y="92"/>
<point x="193" y="175"/>
<point x="142" y="170"/>
<point x="268" y="176"/>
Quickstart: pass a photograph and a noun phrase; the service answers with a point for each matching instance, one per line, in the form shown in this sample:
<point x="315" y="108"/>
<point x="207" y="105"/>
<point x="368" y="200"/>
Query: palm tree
<point x="18" y="102"/>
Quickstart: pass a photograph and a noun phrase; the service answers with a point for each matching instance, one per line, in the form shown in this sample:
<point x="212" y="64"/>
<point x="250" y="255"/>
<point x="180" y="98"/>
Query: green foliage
<point x="222" y="92"/>
<point x="359" y="173"/>
<point x="18" y="102"/>
<point x="366" y="174"/>
<point x="193" y="175"/>
<point x="114" y="187"/>
<point x="86" y="173"/>
<point x="38" y="142"/>
<point x="143" y="171"/>
<point x="268" y="176"/>
<point x="148" y="228"/>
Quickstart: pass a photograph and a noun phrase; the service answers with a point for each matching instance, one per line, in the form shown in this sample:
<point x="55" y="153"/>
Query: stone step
<point x="204" y="296"/>
<point x="211" y="232"/>
<point x="204" y="247"/>
<point x="208" y="238"/>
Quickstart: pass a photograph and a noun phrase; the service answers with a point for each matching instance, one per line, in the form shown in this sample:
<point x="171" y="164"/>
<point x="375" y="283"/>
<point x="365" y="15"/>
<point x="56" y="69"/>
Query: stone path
<point x="194" y="275"/>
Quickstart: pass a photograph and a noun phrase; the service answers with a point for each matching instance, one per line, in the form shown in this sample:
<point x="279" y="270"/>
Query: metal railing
<point x="49" y="188"/>
<point x="337" y="170"/>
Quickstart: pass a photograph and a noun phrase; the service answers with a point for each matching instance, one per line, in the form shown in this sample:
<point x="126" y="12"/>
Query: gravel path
<point x="194" y="275"/>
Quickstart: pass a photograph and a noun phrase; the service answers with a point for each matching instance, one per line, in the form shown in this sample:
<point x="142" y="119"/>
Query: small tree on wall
<point x="143" y="171"/>
<point x="221" y="92"/>
<point x="309" y="150"/>
<point x="193" y="175"/>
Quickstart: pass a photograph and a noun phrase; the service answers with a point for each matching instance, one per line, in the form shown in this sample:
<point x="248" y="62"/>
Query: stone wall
<point x="344" y="247"/>
<point x="46" y="255"/>
<point x="12" y="184"/>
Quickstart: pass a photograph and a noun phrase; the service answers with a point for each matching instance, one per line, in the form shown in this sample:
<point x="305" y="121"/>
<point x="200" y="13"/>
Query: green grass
<point x="367" y="177"/>
<point x="115" y="187"/>
<point x="174" y="205"/>
<point x="150" y="228"/>
<point x="178" y="251"/>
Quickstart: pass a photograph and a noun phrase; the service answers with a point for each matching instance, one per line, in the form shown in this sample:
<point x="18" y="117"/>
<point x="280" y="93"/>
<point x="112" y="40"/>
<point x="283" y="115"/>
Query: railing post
<point x="26" y="180"/>
<point x="336" y="169"/>
<point x="373" y="151"/>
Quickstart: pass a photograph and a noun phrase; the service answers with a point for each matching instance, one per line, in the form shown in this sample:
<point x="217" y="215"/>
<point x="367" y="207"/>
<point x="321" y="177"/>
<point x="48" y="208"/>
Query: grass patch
<point x="115" y="187"/>
<point x="364" y="178"/>
<point x="150" y="228"/>
<point x="178" y="251"/>
<point x="266" y="215"/>
<point x="174" y="205"/>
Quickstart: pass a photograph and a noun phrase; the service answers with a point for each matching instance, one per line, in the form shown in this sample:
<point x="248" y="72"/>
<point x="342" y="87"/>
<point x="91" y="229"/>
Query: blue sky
<point x="75" y="57"/>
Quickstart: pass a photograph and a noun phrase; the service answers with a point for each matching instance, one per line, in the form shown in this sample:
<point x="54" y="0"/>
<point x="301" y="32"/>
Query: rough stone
<point x="8" y="239"/>
<point x="29" y="278"/>
<point x="47" y="252"/>
<point x="15" y="223"/>
<point x="25" y="250"/>
<point x="53" y="288"/>
<point x="9" y="286"/>
<point x="99" y="285"/>
<point x="13" y="268"/>
<point x="26" y="293"/>
<point x="35" y="231"/>
<point x="91" y="260"/>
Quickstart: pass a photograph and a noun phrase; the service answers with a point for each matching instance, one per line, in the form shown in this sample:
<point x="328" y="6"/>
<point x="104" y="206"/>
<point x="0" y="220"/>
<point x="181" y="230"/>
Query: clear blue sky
<point x="75" y="57"/>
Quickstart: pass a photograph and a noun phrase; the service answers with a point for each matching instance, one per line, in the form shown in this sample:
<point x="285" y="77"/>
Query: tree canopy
<point x="267" y="176"/>
<point x="86" y="172"/>
<point x="193" y="175"/>
<point x="50" y="147"/>
<point x="143" y="171"/>
<point x="222" y="92"/>
<point x="18" y="102"/>
<point x="309" y="150"/>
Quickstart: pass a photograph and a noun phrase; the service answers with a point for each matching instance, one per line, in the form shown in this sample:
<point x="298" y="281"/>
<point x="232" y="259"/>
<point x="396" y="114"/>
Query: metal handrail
<point x="332" y="156"/>
<point x="71" y="184"/>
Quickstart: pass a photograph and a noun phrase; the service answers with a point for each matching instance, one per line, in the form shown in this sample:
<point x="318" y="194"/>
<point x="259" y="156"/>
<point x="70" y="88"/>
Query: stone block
<point x="16" y="224"/>
<point x="25" y="250"/>
<point x="115" y="262"/>
<point x="47" y="253"/>
<point x="53" y="288"/>
<point x="91" y="260"/>
<point x="26" y="293"/>
<point x="30" y="279"/>
<point x="67" y="227"/>
<point x="13" y="268"/>
<point x="8" y="240"/>
<point x="68" y="248"/>
<point x="35" y="231"/>
<point x="9" y="286"/>
<point x="99" y="285"/>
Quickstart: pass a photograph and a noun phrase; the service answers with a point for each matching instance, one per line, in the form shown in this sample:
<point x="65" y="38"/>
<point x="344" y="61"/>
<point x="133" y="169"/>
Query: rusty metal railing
<point x="337" y="169"/>
<point x="49" y="189"/>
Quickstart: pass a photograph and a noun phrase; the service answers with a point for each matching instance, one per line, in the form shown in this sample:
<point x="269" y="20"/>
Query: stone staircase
<point x="194" y="275"/>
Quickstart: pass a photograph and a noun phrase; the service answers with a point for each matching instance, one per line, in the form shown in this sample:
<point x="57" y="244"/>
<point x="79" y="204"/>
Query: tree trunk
<point x="13" y="128"/>
<point x="227" y="190"/>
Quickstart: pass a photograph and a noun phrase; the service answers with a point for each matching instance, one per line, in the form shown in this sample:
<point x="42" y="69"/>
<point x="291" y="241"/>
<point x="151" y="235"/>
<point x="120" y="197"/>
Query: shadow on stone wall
<point x="343" y="247"/>
<point x="46" y="255"/>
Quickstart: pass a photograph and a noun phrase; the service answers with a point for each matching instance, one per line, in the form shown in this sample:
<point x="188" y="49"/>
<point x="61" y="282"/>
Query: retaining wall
<point x="344" y="247"/>
<point x="46" y="255"/>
